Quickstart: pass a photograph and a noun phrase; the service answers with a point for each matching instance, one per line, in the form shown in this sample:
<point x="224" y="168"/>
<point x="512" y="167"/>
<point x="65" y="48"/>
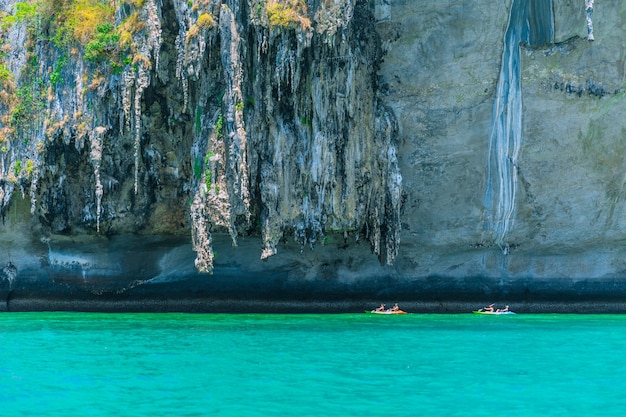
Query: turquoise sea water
<point x="79" y="364"/>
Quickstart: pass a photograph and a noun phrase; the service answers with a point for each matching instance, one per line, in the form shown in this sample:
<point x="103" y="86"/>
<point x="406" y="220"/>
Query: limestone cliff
<point x="478" y="150"/>
<point x="247" y="117"/>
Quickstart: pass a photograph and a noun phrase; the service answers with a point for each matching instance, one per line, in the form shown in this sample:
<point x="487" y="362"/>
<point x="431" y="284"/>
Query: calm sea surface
<point x="78" y="364"/>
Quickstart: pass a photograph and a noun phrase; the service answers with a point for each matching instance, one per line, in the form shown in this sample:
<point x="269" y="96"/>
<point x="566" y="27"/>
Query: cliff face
<point x="453" y="149"/>
<point x="560" y="195"/>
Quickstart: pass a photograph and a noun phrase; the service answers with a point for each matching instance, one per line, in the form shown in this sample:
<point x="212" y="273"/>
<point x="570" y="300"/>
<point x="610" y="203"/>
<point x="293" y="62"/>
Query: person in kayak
<point x="381" y="308"/>
<point x="395" y="307"/>
<point x="489" y="308"/>
<point x="504" y="310"/>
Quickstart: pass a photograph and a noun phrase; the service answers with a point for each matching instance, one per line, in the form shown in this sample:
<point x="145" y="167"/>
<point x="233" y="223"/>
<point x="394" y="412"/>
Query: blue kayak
<point x="493" y="313"/>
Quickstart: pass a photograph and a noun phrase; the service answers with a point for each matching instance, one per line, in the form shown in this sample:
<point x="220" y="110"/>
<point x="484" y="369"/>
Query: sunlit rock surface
<point x="338" y="162"/>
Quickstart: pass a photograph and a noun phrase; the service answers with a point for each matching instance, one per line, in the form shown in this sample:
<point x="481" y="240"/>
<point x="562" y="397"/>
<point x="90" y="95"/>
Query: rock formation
<point x="310" y="150"/>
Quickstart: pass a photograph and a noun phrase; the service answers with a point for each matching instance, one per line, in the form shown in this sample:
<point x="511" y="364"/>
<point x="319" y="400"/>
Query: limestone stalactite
<point x="95" y="155"/>
<point x="235" y="134"/>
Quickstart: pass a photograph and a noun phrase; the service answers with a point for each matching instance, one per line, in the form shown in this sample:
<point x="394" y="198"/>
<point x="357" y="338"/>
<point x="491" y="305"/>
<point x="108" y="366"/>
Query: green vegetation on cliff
<point x="288" y="13"/>
<point x="75" y="45"/>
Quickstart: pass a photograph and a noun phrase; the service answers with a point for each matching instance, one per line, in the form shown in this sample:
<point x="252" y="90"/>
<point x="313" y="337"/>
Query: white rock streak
<point x="531" y="22"/>
<point x="505" y="138"/>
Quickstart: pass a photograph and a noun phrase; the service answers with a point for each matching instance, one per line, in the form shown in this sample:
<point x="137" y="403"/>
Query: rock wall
<point x="312" y="152"/>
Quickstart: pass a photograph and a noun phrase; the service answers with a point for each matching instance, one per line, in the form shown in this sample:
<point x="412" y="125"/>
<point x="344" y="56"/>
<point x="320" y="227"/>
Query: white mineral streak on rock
<point x="235" y="133"/>
<point x="393" y="191"/>
<point x="589" y="15"/>
<point x="95" y="155"/>
<point x="141" y="83"/>
<point x="200" y="235"/>
<point x="531" y="24"/>
<point x="506" y="131"/>
<point x="128" y="82"/>
<point x="210" y="205"/>
<point x="79" y="90"/>
<point x="6" y="192"/>
<point x="181" y="74"/>
<point x="9" y="273"/>
<point x="148" y="43"/>
<point x="223" y="193"/>
<point x="214" y="185"/>
<point x="151" y="16"/>
<point x="190" y="46"/>
<point x="34" y="180"/>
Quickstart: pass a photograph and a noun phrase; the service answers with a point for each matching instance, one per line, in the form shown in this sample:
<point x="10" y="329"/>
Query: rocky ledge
<point x="156" y="274"/>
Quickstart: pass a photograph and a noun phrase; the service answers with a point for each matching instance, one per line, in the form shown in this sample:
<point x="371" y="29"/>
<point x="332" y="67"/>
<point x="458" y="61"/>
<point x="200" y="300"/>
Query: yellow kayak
<point x="387" y="312"/>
